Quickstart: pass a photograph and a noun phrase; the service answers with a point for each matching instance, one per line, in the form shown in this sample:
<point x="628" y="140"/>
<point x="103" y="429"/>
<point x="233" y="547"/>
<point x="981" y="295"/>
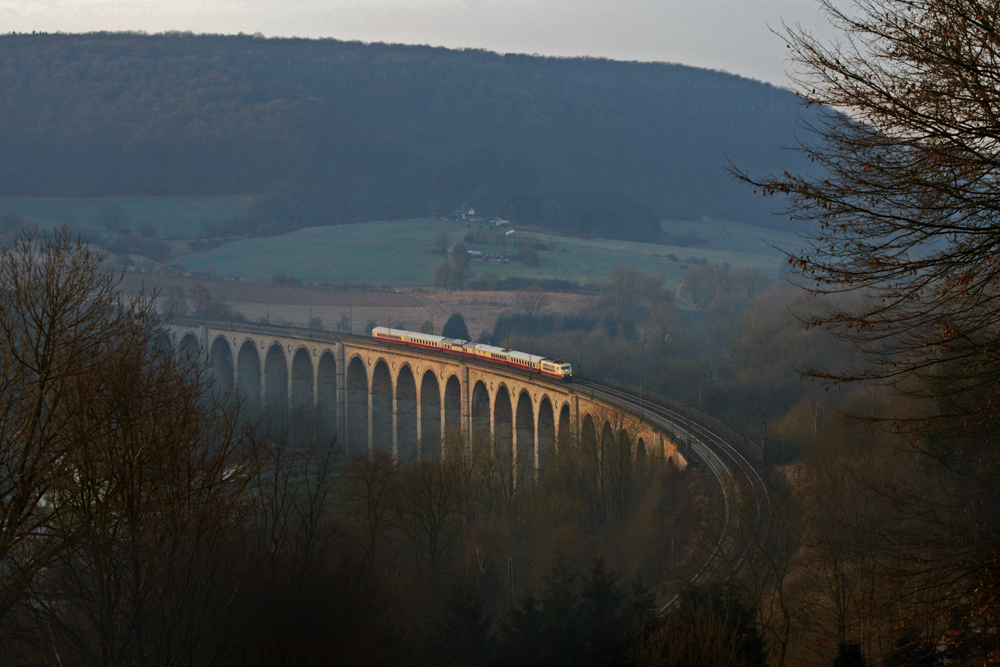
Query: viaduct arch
<point x="369" y="395"/>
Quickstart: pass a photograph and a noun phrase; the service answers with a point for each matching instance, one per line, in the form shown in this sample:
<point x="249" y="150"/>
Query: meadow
<point x="402" y="253"/>
<point x="172" y="216"/>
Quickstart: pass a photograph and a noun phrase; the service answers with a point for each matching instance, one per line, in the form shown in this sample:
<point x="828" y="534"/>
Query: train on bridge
<point x="498" y="355"/>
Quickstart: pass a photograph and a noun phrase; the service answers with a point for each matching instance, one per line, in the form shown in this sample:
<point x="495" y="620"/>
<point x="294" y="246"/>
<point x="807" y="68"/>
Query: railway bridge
<point x="371" y="395"/>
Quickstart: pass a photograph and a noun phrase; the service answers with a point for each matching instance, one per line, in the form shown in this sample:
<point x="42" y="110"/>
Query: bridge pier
<point x="420" y="410"/>
<point x="537" y="447"/>
<point x="236" y="367"/>
<point x="575" y="419"/>
<point x="465" y="400"/>
<point x="543" y="416"/>
<point x="263" y="386"/>
<point x="443" y="430"/>
<point x="288" y="402"/>
<point x="515" y="437"/>
<point x="517" y="457"/>
<point x="341" y="400"/>
<point x="371" y="421"/>
<point x="395" y="420"/>
<point x="493" y="421"/>
<point x="315" y="399"/>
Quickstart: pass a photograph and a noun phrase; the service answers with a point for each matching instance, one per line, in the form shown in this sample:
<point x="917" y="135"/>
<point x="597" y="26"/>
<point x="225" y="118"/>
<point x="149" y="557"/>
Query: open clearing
<point x="401" y="253"/>
<point x="172" y="216"/>
<point x="394" y="253"/>
<point x="727" y="235"/>
<point x="295" y="305"/>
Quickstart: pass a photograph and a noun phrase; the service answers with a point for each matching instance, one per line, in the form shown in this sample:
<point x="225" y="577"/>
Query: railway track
<point x="726" y="455"/>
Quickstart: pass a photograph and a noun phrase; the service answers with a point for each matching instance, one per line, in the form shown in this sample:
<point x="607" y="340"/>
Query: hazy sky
<point x="730" y="35"/>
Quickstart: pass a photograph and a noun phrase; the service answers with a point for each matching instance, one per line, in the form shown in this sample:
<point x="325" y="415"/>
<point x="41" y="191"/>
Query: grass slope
<point x="727" y="235"/>
<point x="173" y="216"/>
<point x="400" y="253"/>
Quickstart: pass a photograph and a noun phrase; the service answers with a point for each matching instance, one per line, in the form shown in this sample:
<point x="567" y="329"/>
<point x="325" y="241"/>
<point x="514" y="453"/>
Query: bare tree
<point x="531" y="301"/>
<point x="905" y="194"/>
<point x="430" y="505"/>
<point x="618" y="474"/>
<point x="299" y="578"/>
<point x="202" y="299"/>
<point x="149" y="511"/>
<point x="175" y="303"/>
<point x="702" y="283"/>
<point x="706" y="629"/>
<point x="443" y="243"/>
<point x="625" y="285"/>
<point x="891" y="547"/>
<point x="57" y="312"/>
<point x="451" y="275"/>
<point x="767" y="539"/>
<point x="904" y="200"/>
<point x="123" y="471"/>
<point x="371" y="489"/>
<point x="291" y="493"/>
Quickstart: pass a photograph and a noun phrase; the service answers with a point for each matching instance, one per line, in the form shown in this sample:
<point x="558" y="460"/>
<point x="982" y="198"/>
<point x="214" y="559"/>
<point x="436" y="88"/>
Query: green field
<point x="734" y="236"/>
<point x="399" y="253"/>
<point x="173" y="216"/>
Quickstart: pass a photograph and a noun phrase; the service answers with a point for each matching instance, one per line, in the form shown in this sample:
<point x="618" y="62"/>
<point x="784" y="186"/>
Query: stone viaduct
<point x="372" y="395"/>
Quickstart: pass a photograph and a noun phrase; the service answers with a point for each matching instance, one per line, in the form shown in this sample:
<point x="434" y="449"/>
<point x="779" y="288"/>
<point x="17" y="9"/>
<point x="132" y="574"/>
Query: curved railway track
<point x="726" y="455"/>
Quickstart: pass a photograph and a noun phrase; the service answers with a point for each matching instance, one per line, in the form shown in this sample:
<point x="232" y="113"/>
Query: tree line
<point x="881" y="531"/>
<point x="147" y="520"/>
<point x="327" y="132"/>
<point x="883" y="540"/>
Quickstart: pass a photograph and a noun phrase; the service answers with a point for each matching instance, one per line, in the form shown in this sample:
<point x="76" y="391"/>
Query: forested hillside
<point x="329" y="132"/>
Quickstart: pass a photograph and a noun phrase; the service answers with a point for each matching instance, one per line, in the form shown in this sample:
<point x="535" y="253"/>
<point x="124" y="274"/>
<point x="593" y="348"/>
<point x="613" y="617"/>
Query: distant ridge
<point x="330" y="132"/>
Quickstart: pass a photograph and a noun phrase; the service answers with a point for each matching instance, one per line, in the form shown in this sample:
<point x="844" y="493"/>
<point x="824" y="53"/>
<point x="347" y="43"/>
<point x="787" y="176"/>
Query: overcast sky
<point x="731" y="35"/>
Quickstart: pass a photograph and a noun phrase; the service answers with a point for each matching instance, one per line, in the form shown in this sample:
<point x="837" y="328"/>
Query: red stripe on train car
<point x="472" y="354"/>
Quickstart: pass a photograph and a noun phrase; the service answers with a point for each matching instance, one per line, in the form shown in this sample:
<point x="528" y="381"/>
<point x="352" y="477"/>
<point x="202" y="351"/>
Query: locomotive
<point x="497" y="355"/>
